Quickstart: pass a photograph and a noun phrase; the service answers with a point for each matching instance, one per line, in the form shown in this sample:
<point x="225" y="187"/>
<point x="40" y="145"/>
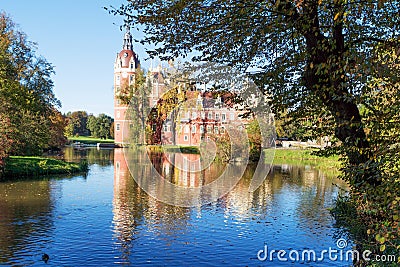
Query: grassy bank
<point x="305" y="157"/>
<point x="282" y="156"/>
<point x="37" y="166"/>
<point x="90" y="140"/>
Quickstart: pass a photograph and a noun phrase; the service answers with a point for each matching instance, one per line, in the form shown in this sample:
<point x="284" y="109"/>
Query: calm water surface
<point x="105" y="219"/>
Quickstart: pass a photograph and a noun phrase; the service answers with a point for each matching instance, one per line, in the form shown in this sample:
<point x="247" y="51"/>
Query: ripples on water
<point x="105" y="219"/>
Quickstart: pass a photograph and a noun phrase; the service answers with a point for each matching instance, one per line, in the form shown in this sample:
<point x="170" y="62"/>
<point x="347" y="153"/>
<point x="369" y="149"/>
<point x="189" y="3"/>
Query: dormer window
<point x="131" y="65"/>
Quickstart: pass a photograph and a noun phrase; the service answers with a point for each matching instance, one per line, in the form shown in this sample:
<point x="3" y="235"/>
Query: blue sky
<point x="81" y="40"/>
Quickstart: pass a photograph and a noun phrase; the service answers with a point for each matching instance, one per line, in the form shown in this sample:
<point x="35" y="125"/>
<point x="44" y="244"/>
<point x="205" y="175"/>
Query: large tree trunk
<point x="330" y="87"/>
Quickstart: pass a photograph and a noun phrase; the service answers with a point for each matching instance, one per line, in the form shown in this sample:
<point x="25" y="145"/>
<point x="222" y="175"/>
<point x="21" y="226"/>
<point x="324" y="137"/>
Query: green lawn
<point x="90" y="140"/>
<point x="304" y="157"/>
<point x="17" y="166"/>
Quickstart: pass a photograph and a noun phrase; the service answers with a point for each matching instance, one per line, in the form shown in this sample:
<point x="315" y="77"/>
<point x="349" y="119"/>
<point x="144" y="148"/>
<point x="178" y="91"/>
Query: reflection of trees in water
<point x="102" y="157"/>
<point x="316" y="192"/>
<point x="134" y="210"/>
<point x="313" y="186"/>
<point x="26" y="216"/>
<point x="244" y="204"/>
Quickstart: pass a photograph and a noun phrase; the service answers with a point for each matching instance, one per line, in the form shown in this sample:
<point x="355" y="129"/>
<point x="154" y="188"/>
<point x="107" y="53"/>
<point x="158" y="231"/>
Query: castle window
<point x="223" y="117"/>
<point x="222" y="129"/>
<point x="185" y="138"/>
<point x="118" y="127"/>
<point x="131" y="65"/>
<point x="193" y="128"/>
<point x="132" y="77"/>
<point x="232" y="116"/>
<point x="216" y="130"/>
<point x="165" y="128"/>
<point x="186" y="128"/>
<point x="209" y="115"/>
<point x="216" y="116"/>
<point x="209" y="128"/>
<point x="201" y="129"/>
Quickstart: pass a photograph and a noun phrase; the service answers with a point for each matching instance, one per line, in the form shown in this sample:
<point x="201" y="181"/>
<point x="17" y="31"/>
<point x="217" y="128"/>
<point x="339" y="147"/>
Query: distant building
<point x="210" y="115"/>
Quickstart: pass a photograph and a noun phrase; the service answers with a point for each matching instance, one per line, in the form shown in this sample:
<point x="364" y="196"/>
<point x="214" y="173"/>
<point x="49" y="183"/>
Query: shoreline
<point x="33" y="167"/>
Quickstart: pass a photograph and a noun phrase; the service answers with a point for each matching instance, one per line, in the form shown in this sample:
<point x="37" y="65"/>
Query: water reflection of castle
<point x="135" y="212"/>
<point x="186" y="171"/>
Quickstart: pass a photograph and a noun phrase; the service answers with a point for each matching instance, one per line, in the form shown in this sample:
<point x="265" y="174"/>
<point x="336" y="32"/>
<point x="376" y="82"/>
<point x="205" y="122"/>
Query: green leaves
<point x="99" y="126"/>
<point x="27" y="103"/>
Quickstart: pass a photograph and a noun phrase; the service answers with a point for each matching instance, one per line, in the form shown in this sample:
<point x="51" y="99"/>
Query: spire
<point x="128" y="40"/>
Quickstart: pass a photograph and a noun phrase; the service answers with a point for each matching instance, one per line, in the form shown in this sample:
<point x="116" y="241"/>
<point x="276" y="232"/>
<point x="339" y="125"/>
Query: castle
<point x="209" y="116"/>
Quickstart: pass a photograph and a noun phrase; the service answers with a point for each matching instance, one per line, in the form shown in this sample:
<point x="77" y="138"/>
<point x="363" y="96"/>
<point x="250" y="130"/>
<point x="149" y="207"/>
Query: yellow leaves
<point x="336" y="16"/>
<point x="311" y="65"/>
<point x="381" y="240"/>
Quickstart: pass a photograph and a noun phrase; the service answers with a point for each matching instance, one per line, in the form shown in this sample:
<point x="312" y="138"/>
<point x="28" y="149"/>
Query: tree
<point x="137" y="96"/>
<point x="77" y="122"/>
<point x="314" y="53"/>
<point x="92" y="125"/>
<point x="100" y="127"/>
<point x="28" y="107"/>
<point x="105" y="123"/>
<point x="6" y="140"/>
<point x="57" y="129"/>
<point x="378" y="206"/>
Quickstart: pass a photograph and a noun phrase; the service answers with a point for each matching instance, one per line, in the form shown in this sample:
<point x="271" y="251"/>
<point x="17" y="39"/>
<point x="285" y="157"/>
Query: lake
<point x="104" y="218"/>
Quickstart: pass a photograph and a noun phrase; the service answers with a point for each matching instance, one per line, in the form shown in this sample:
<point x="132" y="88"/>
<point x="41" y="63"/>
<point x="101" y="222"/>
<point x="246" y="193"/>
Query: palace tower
<point x="125" y="66"/>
